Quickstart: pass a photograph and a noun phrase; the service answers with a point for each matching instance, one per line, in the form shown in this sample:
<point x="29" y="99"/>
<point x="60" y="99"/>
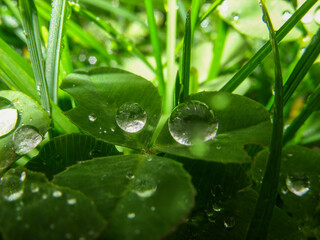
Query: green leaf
<point x="33" y="208"/>
<point x="67" y="150"/>
<point x="245" y="16"/>
<point x="57" y="22"/>
<point x="111" y="106"/>
<point x="30" y="22"/>
<point x="240" y="121"/>
<point x="142" y="197"/>
<point x="299" y="183"/>
<point x="30" y="114"/>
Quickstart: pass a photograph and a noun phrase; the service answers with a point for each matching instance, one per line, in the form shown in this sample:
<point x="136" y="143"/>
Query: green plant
<point x="90" y="151"/>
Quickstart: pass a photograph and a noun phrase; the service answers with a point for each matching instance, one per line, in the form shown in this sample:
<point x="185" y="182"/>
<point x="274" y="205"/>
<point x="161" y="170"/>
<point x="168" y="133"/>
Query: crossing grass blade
<point x="260" y="222"/>
<point x="211" y="9"/>
<point x="57" y="22"/>
<point x="247" y="69"/>
<point x="30" y="22"/>
<point x="155" y="44"/>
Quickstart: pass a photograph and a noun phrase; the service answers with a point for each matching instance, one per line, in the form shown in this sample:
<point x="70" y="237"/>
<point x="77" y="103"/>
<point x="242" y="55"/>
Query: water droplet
<point x="216" y="208"/>
<point x="297" y="183"/>
<point x="75" y="6"/>
<point x="130" y="175"/>
<point x="8" y="120"/>
<point x="44" y="196"/>
<point x="131" y="215"/>
<point x="25" y="139"/>
<point x="229" y="222"/>
<point x="284" y="190"/>
<point x="23" y="176"/>
<point x="211" y="216"/>
<point x="153" y="208"/>
<point x="131" y="117"/>
<point x="34" y="188"/>
<point x="92" y="117"/>
<point x="11" y="188"/>
<point x="56" y="194"/>
<point x="144" y="187"/>
<point x="92" y="60"/>
<point x="191" y="122"/>
<point x="307" y="18"/>
<point x="72" y="201"/>
<point x="218" y="147"/>
<point x="286" y="15"/>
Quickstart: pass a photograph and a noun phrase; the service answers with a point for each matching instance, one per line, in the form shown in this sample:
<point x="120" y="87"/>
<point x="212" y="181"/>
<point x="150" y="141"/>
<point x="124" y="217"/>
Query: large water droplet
<point x="297" y="183"/>
<point x="11" y="188"/>
<point x="25" y="139"/>
<point x="144" y="187"/>
<point x="8" y="120"/>
<point x="191" y="122"/>
<point x="131" y="117"/>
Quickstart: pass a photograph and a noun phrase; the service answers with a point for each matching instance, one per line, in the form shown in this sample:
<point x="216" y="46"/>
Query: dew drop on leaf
<point x="229" y="222"/>
<point x="144" y="187"/>
<point x="8" y="120"/>
<point x="131" y="215"/>
<point x="57" y="194"/>
<point x="72" y="201"/>
<point x="25" y="139"/>
<point x="192" y="121"/>
<point x="298" y="184"/>
<point x="130" y="175"/>
<point x="131" y="117"/>
<point x="92" y="117"/>
<point x="11" y="188"/>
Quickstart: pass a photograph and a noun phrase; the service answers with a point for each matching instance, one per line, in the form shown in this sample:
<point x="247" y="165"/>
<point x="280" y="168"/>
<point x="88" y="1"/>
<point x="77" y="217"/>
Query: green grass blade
<point x="117" y="10"/>
<point x="14" y="9"/>
<point x="57" y="22"/>
<point x="247" y="69"/>
<point x="258" y="228"/>
<point x="211" y="9"/>
<point x="195" y="8"/>
<point x="218" y="50"/>
<point x="29" y="18"/>
<point x="312" y="105"/>
<point x="182" y="11"/>
<point x="309" y="56"/>
<point x="186" y="58"/>
<point x="155" y="44"/>
<point x="171" y="42"/>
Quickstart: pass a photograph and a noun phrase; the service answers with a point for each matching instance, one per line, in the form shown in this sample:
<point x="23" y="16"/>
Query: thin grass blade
<point x="312" y="105"/>
<point x="155" y="44"/>
<point x="258" y="228"/>
<point x="186" y="58"/>
<point x="195" y="8"/>
<point x="30" y="22"/>
<point x="211" y="9"/>
<point x="247" y="69"/>
<point x="57" y="22"/>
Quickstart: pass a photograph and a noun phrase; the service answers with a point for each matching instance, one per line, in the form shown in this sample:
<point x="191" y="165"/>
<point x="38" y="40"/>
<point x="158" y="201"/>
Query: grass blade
<point x="171" y="42"/>
<point x="195" y="8"/>
<point x="312" y="105"/>
<point x="155" y="44"/>
<point x="247" y="69"/>
<point x="258" y="228"/>
<point x="186" y="57"/>
<point x="58" y="17"/>
<point x="211" y="9"/>
<point x="30" y="22"/>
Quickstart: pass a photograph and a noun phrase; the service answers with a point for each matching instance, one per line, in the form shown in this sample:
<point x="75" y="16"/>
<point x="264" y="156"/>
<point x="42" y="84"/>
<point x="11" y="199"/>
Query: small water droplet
<point x="92" y="60"/>
<point x="11" y="188"/>
<point x="23" y="176"/>
<point x="92" y="117"/>
<point x="286" y="15"/>
<point x="153" y="208"/>
<point x="229" y="222"/>
<point x="8" y="121"/>
<point x="218" y="147"/>
<point x="44" y="196"/>
<point x="131" y="117"/>
<point x="298" y="184"/>
<point x="145" y="193"/>
<point x="216" y="207"/>
<point x="211" y="216"/>
<point x="144" y="187"/>
<point x="34" y="188"/>
<point x="56" y="194"/>
<point x="192" y="121"/>
<point x="131" y="215"/>
<point x="130" y="175"/>
<point x="284" y="190"/>
<point x="25" y="139"/>
<point x="72" y="201"/>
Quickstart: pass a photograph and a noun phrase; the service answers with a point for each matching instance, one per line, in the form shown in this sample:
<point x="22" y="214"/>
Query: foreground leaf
<point x="111" y="106"/>
<point x="66" y="150"/>
<point x="240" y="121"/>
<point x="143" y="197"/>
<point x="31" y="118"/>
<point x="33" y="208"/>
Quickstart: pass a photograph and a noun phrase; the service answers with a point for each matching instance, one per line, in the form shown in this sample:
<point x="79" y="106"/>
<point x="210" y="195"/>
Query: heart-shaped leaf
<point x="246" y="17"/>
<point x="66" y="150"/>
<point x="23" y="123"/>
<point x="115" y="106"/>
<point x="142" y="197"/>
<point x="33" y="208"/>
<point x="215" y="126"/>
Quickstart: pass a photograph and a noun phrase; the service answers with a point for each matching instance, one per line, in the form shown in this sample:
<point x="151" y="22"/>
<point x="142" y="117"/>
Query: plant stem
<point x="258" y="228"/>
<point x="171" y="42"/>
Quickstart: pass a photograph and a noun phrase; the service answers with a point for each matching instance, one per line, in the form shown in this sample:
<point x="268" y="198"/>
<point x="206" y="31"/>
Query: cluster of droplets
<point x="192" y="122"/>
